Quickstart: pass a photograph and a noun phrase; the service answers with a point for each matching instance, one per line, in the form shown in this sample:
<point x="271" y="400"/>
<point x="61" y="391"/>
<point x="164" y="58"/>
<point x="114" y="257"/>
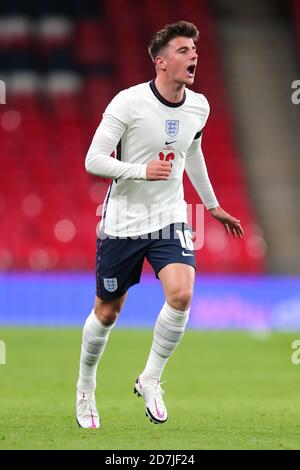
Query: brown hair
<point x="169" y="32"/>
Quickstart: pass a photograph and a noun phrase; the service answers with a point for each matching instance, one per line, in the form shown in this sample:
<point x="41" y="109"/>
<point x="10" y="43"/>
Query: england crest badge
<point x="110" y="284"/>
<point x="172" y="127"/>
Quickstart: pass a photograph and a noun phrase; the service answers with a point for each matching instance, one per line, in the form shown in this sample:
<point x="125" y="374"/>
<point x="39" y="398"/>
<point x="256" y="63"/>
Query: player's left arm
<point x="197" y="172"/>
<point x="230" y="223"/>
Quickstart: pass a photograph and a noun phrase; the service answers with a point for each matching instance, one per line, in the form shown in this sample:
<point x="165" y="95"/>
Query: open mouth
<point x="191" y="70"/>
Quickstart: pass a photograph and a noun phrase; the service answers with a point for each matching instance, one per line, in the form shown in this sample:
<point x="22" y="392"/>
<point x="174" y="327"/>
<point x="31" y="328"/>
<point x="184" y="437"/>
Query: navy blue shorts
<point x="119" y="260"/>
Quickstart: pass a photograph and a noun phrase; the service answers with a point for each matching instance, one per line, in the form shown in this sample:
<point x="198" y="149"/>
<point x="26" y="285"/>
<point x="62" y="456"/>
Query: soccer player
<point x="156" y="129"/>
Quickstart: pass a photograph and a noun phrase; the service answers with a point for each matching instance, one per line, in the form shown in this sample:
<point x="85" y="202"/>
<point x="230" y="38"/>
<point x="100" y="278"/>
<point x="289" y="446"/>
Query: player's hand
<point x="158" y="170"/>
<point x="230" y="223"/>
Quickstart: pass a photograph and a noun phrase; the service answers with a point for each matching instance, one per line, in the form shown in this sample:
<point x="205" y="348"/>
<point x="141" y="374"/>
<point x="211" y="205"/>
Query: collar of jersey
<point x="162" y="99"/>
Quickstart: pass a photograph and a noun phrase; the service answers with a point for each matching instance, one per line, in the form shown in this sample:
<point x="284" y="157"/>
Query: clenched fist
<point x="158" y="170"/>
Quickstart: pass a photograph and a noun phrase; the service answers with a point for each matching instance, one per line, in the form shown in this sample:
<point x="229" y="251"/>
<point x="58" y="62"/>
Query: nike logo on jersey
<point x="186" y="254"/>
<point x="168" y="143"/>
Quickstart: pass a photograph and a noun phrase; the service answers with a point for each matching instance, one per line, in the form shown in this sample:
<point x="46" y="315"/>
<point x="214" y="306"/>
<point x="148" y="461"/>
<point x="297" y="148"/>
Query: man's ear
<point x="160" y="63"/>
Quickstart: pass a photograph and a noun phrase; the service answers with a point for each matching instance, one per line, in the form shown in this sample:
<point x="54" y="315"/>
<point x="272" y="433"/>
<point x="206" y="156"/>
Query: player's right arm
<point x="98" y="160"/>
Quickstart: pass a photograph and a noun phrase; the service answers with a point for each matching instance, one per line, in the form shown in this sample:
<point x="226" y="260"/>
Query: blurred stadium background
<point x="60" y="65"/>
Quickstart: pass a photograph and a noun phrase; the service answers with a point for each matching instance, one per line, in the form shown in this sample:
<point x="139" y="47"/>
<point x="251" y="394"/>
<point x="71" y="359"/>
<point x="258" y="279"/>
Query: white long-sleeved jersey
<point x="140" y="125"/>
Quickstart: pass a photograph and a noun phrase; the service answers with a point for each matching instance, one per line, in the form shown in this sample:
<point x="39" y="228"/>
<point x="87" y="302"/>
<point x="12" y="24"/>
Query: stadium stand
<point x="295" y="10"/>
<point x="63" y="63"/>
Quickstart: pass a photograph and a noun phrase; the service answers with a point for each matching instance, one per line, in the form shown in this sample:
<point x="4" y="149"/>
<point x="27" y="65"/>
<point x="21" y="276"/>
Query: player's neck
<point x="172" y="92"/>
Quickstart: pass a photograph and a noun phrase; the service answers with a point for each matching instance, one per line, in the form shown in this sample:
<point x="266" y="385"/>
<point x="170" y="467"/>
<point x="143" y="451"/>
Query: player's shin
<point x="168" y="331"/>
<point x="94" y="339"/>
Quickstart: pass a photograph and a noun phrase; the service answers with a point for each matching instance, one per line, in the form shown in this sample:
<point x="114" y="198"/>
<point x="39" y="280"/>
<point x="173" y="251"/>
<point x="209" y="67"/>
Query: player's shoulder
<point x="198" y="100"/>
<point x="124" y="102"/>
<point x="134" y="91"/>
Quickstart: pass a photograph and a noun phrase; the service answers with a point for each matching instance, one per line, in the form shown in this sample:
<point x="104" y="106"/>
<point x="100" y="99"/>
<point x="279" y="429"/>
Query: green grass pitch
<point x="224" y="390"/>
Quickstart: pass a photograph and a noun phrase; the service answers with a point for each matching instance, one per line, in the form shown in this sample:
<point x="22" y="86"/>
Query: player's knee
<point x="181" y="298"/>
<point x="107" y="316"/>
<point x="108" y="312"/>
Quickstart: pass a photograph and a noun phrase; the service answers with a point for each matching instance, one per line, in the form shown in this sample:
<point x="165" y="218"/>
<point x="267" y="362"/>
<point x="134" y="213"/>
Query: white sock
<point x="94" y="339"/>
<point x="168" y="330"/>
